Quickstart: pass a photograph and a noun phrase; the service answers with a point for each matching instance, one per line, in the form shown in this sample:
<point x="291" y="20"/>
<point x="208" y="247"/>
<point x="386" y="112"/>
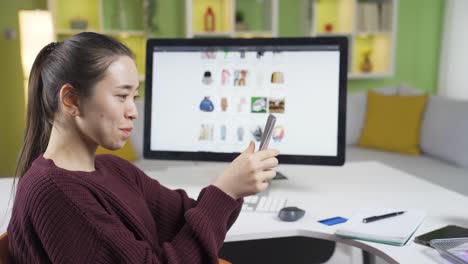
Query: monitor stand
<point x="279" y="176"/>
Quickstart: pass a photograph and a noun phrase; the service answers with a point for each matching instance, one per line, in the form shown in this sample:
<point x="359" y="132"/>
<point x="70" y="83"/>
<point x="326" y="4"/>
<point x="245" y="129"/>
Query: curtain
<point x="453" y="72"/>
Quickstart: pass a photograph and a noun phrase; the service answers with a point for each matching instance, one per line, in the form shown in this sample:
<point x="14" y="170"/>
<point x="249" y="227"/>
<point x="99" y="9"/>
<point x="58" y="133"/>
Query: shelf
<point x="254" y="16"/>
<point x="212" y="16"/>
<point x="375" y="15"/>
<point x="334" y="16"/>
<point x="231" y="18"/>
<point x="368" y="75"/>
<point x="74" y="31"/>
<point x="107" y="32"/>
<point x="369" y="26"/>
<point x="123" y="20"/>
<point x="240" y="34"/>
<point x="372" y="33"/>
<point x="140" y="33"/>
<point x="85" y="13"/>
<point x="372" y="53"/>
<point x="212" y="34"/>
<point x="333" y="34"/>
<point x="126" y="15"/>
<point x="254" y="34"/>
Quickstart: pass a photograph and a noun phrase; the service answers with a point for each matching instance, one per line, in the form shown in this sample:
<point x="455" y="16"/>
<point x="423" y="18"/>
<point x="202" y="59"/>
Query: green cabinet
<point x="369" y="25"/>
<point x="127" y="20"/>
<point x="231" y="18"/>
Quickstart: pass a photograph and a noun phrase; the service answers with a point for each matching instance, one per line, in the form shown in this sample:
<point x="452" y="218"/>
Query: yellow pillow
<point x="393" y="122"/>
<point x="126" y="152"/>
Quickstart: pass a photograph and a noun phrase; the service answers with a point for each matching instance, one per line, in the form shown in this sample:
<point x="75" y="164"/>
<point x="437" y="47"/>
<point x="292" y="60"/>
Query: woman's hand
<point x="249" y="173"/>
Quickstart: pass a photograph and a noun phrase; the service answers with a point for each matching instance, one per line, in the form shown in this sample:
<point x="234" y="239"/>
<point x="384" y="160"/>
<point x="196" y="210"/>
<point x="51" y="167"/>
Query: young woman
<point x="72" y="206"/>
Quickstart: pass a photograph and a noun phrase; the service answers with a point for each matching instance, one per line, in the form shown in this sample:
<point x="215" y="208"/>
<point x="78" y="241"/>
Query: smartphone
<point x="267" y="132"/>
<point x="450" y="231"/>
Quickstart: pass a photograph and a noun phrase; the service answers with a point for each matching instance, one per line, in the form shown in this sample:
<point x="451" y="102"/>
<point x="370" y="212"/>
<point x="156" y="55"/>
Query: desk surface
<point x="324" y="192"/>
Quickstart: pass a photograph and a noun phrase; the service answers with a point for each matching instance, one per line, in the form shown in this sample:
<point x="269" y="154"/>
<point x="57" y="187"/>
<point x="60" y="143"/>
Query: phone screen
<point x="450" y="231"/>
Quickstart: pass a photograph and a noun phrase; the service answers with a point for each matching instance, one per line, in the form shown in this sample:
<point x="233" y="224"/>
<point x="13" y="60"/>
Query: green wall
<point x="417" y="55"/>
<point x="12" y="94"/>
<point x="170" y="18"/>
<point x="419" y="34"/>
<point x="417" y="47"/>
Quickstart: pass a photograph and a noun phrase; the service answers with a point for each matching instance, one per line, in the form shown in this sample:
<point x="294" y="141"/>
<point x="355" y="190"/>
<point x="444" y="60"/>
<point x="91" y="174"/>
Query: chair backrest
<point x="4" y="251"/>
<point x="222" y="261"/>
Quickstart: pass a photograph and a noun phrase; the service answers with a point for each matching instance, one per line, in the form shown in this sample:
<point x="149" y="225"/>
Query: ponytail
<point x="81" y="61"/>
<point x="38" y="119"/>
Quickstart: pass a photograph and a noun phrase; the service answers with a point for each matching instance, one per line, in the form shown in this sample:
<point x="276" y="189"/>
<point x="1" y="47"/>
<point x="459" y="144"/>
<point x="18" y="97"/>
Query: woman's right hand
<point x="249" y="173"/>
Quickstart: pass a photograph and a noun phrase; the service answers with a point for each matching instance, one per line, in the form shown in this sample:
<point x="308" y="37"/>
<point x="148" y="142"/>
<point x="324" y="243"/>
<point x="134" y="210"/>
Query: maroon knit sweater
<point x="115" y="214"/>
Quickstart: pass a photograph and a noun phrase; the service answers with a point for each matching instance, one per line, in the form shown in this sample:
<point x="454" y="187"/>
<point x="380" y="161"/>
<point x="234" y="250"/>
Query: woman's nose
<point x="132" y="111"/>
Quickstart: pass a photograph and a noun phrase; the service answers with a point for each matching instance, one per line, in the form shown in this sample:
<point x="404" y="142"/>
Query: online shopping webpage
<point x="217" y="100"/>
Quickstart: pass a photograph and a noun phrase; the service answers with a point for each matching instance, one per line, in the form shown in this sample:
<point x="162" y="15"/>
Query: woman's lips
<point x="126" y="131"/>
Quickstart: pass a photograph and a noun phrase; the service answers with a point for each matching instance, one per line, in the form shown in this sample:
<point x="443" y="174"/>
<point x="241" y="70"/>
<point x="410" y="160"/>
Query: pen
<point x="378" y="217"/>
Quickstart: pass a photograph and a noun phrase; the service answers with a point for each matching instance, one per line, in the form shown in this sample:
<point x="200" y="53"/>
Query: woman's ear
<point x="69" y="100"/>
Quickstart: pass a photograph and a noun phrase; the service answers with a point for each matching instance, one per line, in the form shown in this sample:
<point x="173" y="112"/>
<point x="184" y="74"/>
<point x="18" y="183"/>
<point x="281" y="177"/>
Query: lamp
<point x="36" y="31"/>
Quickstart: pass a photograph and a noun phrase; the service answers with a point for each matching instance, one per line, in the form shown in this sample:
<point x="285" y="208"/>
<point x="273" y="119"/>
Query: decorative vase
<point x="366" y="64"/>
<point x="209" y="20"/>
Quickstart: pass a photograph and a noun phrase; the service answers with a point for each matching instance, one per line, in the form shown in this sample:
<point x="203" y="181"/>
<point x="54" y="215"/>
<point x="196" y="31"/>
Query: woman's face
<point x="106" y="118"/>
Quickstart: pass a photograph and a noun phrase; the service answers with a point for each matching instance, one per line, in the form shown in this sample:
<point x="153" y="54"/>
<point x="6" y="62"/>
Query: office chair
<point x="4" y="251"/>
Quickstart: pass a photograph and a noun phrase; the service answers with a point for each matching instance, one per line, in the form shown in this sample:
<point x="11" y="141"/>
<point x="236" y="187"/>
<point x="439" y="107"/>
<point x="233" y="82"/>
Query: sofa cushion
<point x="355" y="114"/>
<point x="444" y="131"/>
<point x="393" y="122"/>
<point x="357" y="106"/>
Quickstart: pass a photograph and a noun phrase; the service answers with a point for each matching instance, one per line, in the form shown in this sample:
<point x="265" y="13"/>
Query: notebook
<point x="395" y="230"/>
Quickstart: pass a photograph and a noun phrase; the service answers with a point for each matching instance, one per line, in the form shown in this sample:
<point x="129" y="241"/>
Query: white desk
<point x="324" y="192"/>
<point x="333" y="191"/>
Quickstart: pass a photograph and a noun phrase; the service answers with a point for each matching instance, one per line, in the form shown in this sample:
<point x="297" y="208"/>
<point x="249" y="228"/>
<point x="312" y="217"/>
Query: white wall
<point x="453" y="77"/>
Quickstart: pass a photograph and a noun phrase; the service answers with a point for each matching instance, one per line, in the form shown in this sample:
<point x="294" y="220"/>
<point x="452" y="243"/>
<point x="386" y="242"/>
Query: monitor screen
<point x="206" y="99"/>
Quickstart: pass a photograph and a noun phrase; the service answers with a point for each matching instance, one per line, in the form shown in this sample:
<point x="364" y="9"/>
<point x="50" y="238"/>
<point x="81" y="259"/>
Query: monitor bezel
<point x="341" y="42"/>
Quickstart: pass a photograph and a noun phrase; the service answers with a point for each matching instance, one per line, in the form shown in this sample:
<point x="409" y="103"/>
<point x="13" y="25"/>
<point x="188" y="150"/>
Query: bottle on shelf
<point x="209" y="20"/>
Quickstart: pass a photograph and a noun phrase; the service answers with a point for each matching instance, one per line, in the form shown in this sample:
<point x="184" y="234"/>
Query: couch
<point x="443" y="139"/>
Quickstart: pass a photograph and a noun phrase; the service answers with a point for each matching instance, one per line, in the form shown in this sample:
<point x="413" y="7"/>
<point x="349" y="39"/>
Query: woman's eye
<point x="122" y="96"/>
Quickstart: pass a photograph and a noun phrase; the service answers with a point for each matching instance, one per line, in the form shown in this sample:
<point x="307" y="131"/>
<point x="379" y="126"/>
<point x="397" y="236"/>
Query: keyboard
<point x="264" y="204"/>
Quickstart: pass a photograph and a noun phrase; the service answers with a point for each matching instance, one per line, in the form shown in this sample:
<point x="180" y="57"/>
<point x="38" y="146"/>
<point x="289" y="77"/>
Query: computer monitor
<point x="206" y="99"/>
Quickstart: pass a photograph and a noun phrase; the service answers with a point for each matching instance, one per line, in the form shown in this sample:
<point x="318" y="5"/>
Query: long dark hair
<point x="80" y="61"/>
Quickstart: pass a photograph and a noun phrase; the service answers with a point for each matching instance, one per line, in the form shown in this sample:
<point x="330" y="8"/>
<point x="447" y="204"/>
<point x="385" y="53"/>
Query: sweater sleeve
<point x="75" y="227"/>
<point x="170" y="208"/>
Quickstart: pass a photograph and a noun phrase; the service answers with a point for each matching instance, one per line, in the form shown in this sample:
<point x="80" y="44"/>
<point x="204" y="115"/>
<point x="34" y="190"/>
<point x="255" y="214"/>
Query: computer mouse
<point x="291" y="213"/>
